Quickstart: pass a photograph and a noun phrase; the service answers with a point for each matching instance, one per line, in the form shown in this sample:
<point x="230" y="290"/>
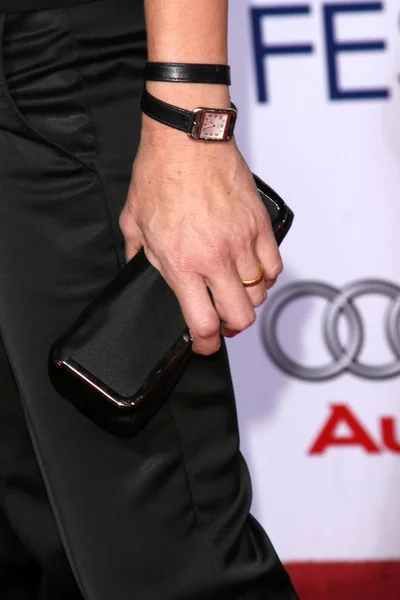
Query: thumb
<point x="131" y="249"/>
<point x="132" y="235"/>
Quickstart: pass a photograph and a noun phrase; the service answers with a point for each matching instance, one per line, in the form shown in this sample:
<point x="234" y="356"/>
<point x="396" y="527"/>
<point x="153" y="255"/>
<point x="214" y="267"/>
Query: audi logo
<point x="340" y="304"/>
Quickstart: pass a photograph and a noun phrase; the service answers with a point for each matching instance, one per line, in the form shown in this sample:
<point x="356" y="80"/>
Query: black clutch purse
<point x="122" y="357"/>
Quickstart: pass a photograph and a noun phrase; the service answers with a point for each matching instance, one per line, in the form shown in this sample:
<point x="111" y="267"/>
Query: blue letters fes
<point x="263" y="50"/>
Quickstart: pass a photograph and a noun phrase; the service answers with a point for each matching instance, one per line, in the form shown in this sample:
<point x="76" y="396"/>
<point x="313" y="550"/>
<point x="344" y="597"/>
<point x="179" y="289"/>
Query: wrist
<point x="164" y="140"/>
<point x="210" y="116"/>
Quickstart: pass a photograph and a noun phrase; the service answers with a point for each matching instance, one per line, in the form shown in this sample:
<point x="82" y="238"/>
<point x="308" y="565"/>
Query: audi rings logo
<point x="344" y="357"/>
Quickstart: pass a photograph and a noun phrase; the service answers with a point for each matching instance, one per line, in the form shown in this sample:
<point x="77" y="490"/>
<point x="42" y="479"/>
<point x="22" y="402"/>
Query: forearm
<point x="193" y="205"/>
<point x="188" y="31"/>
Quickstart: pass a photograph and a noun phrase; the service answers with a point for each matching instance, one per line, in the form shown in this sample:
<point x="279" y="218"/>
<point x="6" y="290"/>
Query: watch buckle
<point x="198" y="118"/>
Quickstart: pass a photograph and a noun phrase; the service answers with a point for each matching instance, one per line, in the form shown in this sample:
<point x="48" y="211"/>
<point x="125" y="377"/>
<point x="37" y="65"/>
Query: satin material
<point x="163" y="515"/>
<point x="22" y="5"/>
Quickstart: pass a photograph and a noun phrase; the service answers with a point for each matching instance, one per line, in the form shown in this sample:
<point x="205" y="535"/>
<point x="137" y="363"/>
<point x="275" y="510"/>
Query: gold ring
<point x="257" y="280"/>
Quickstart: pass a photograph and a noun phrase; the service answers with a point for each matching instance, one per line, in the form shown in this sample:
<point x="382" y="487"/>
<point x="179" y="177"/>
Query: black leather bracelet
<point x="187" y="73"/>
<point x="211" y="124"/>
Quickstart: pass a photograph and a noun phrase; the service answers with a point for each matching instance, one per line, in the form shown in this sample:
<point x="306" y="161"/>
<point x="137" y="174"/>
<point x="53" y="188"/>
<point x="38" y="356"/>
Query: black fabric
<point x="163" y="515"/>
<point x="25" y="5"/>
<point x="32" y="558"/>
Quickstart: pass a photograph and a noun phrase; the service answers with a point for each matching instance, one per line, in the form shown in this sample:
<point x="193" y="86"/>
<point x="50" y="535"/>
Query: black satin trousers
<point x="83" y="514"/>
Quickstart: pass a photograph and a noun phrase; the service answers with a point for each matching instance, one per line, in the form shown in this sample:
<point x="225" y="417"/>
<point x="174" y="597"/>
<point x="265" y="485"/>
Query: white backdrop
<point x="336" y="163"/>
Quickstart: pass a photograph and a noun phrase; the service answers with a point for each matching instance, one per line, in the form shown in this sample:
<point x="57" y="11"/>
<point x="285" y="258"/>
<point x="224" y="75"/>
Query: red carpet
<point x="346" y="581"/>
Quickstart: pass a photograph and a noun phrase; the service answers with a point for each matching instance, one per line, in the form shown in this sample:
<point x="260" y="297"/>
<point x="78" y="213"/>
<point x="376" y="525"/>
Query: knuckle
<point x="275" y="269"/>
<point x="241" y="236"/>
<point x="176" y="259"/>
<point x="124" y="224"/>
<point x="245" y="322"/>
<point x="206" y="329"/>
<point x="127" y="226"/>
<point x="260" y="299"/>
<point x="229" y="333"/>
<point x="264" y="219"/>
<point x="270" y="283"/>
<point x="217" y="254"/>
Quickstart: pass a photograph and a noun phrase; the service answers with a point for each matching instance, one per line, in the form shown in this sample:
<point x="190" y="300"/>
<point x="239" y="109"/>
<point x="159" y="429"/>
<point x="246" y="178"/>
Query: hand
<point x="195" y="209"/>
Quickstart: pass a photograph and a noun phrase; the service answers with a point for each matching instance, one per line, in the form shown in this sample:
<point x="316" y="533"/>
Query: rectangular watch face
<point x="213" y="126"/>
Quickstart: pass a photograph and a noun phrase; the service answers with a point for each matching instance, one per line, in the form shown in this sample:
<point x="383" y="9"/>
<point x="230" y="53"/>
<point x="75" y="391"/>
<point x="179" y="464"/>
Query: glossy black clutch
<point x="121" y="358"/>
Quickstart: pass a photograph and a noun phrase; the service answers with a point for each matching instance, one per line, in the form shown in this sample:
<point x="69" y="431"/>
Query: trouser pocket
<point x="42" y="91"/>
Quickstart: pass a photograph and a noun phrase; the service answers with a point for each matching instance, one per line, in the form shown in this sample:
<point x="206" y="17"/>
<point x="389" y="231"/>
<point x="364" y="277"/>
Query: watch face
<point x="214" y="125"/>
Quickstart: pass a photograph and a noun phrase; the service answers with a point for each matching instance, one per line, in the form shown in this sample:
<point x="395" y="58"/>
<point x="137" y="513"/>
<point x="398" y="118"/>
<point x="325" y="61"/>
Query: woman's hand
<point x="195" y="209"/>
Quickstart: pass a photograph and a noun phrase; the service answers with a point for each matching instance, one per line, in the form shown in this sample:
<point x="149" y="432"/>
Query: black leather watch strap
<point x="179" y="118"/>
<point x="187" y="73"/>
<point x="166" y="113"/>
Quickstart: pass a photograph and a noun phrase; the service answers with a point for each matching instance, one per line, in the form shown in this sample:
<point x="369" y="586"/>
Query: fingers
<point x="198" y="312"/>
<point x="248" y="268"/>
<point x="231" y="309"/>
<point x="231" y="301"/>
<point x="268" y="254"/>
<point x="229" y="312"/>
<point x="132" y="234"/>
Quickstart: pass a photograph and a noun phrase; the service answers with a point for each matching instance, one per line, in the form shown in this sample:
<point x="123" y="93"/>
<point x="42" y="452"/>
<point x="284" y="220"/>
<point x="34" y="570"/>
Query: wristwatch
<point x="209" y="124"/>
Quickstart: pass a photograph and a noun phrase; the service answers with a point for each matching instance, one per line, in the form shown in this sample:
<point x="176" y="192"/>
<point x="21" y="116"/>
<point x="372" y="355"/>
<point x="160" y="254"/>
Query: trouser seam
<point x="191" y="495"/>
